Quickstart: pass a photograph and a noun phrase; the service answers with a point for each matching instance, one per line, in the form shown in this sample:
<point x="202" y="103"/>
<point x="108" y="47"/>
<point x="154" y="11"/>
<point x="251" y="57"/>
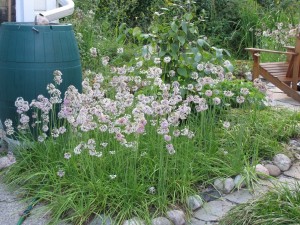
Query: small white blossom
<point x="152" y="190"/>
<point x="113" y="176"/>
<point x="67" y="155"/>
<point x="60" y="173"/>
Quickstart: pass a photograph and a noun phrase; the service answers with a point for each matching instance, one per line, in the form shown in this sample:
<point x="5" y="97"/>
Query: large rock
<point x="160" y="221"/>
<point x="262" y="171"/>
<point x="177" y="217"/>
<point x="294" y="171"/>
<point x="274" y="171"/>
<point x="213" y="211"/>
<point x="210" y="194"/>
<point x="282" y="161"/>
<point x="194" y="202"/>
<point x="240" y="196"/>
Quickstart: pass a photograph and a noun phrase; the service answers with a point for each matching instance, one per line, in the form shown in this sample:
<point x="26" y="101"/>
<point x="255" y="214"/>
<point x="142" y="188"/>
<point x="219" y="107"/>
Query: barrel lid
<point x="24" y="26"/>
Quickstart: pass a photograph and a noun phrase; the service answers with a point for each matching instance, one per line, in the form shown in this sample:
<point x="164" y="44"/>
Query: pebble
<point x="274" y="171"/>
<point x="7" y="161"/>
<point x="239" y="181"/>
<point x="294" y="143"/>
<point x="134" y="221"/>
<point x="261" y="171"/>
<point x="282" y="161"/>
<point x="177" y="217"/>
<point x="219" y="184"/>
<point x="228" y="185"/>
<point x="102" y="220"/>
<point x="194" y="202"/>
<point x="161" y="221"/>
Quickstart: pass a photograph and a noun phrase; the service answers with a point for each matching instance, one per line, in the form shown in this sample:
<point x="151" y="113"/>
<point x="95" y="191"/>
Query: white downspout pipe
<point x="66" y="9"/>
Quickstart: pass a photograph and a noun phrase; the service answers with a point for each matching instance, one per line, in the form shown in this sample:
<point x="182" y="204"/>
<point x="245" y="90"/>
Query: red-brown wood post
<point x="255" y="71"/>
<point x="296" y="64"/>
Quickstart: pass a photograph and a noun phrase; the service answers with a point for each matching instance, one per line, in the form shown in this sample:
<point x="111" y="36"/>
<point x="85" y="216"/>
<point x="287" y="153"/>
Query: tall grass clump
<point x="279" y="206"/>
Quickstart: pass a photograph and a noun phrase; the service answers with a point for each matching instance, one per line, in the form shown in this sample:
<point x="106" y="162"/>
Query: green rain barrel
<point x="29" y="54"/>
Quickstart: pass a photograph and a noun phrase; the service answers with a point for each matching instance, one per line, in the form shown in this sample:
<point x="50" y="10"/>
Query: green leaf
<point x="136" y="31"/>
<point x="184" y="26"/>
<point x="174" y="48"/>
<point x="174" y="26"/>
<point x="181" y="39"/>
<point x="230" y="67"/>
<point x="198" y="57"/>
<point x="188" y="16"/>
<point x="219" y="53"/>
<point x="195" y="50"/>
<point x="121" y="38"/>
<point x="202" y="42"/>
<point x="122" y="27"/>
<point x="161" y="53"/>
<point x="227" y="52"/>
<point x="182" y="72"/>
<point x="146" y="36"/>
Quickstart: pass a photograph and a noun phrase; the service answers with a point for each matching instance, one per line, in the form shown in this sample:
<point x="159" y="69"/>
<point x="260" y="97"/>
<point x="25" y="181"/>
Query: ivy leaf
<point x="182" y="72"/>
<point x="184" y="26"/>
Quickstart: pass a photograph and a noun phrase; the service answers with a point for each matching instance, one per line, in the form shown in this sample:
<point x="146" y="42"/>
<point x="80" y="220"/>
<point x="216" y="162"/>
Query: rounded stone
<point x="134" y="221"/>
<point x="282" y="161"/>
<point x="261" y="171"/>
<point x="7" y="161"/>
<point x="239" y="181"/>
<point x="194" y="202"/>
<point x="274" y="171"/>
<point x="102" y="219"/>
<point x="228" y="185"/>
<point x="219" y="184"/>
<point x="177" y="217"/>
<point x="161" y="221"/>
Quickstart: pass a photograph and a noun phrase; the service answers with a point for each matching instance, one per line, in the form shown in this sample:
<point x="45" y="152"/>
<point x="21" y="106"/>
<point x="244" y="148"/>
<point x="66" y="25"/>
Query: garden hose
<point x="26" y="212"/>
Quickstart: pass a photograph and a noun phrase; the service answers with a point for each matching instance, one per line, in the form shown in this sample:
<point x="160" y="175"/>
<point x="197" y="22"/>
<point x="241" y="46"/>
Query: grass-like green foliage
<point x="87" y="188"/>
<point x="279" y="206"/>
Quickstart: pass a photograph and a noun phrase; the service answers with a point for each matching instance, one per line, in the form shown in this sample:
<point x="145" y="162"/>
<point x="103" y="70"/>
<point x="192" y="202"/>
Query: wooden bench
<point x="284" y="75"/>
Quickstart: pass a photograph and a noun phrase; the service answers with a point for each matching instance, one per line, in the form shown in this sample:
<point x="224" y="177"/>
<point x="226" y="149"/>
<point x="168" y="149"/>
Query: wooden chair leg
<point x="255" y="66"/>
